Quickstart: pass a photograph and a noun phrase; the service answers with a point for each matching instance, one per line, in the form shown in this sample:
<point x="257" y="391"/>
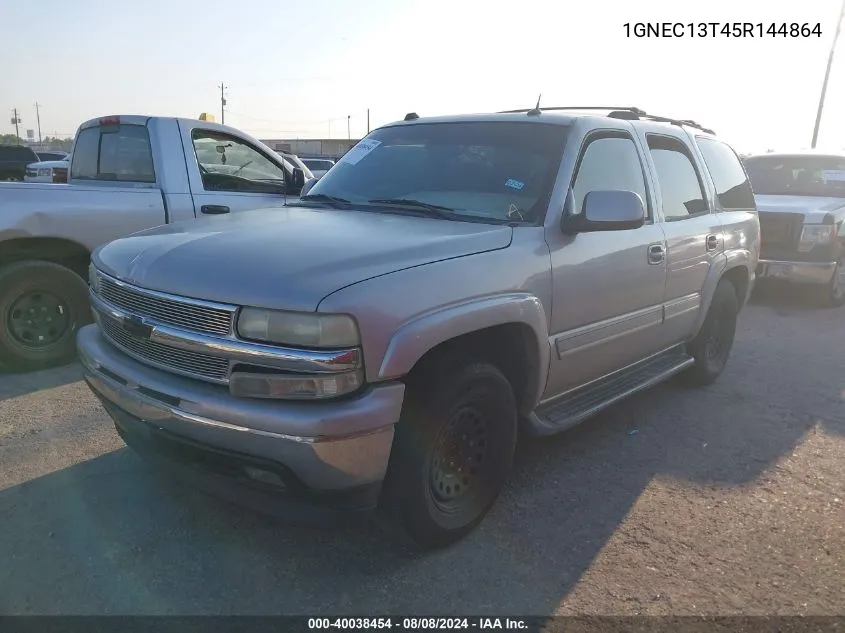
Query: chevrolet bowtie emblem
<point x="137" y="327"/>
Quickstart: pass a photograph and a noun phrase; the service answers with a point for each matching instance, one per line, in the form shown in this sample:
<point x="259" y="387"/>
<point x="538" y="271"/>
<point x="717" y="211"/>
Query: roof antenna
<point x="536" y="109"/>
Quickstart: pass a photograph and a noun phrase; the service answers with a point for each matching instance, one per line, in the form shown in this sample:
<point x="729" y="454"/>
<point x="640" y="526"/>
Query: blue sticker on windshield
<point x="514" y="184"/>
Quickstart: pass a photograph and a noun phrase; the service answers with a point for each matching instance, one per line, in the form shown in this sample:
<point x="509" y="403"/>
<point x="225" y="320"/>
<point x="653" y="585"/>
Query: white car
<point x="318" y="166"/>
<point x="48" y="171"/>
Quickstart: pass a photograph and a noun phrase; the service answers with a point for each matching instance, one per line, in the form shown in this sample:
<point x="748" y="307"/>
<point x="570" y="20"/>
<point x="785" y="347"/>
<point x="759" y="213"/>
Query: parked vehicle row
<point x="801" y="203"/>
<point x="447" y="284"/>
<point x="13" y="161"/>
<point x="126" y="173"/>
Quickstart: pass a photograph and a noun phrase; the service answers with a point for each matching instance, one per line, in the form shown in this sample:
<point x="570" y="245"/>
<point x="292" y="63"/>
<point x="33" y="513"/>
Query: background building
<point x="312" y="148"/>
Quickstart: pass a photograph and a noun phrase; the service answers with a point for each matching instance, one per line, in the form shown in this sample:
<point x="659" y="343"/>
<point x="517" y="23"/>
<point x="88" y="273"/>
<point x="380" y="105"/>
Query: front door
<point x="608" y="286"/>
<point x="233" y="174"/>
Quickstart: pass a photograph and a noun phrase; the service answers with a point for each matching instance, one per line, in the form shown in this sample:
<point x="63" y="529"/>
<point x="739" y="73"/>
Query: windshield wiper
<point x="322" y="197"/>
<point x="432" y="210"/>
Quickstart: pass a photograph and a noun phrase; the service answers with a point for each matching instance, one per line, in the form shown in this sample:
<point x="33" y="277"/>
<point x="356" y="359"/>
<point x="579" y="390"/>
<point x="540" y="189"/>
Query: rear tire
<point x="712" y="346"/>
<point x="42" y="305"/>
<point x="452" y="451"/>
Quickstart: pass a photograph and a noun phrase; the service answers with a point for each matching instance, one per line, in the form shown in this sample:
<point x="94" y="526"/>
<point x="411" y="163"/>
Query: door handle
<point x="712" y="243"/>
<point x="656" y="254"/>
<point x="214" y="209"/>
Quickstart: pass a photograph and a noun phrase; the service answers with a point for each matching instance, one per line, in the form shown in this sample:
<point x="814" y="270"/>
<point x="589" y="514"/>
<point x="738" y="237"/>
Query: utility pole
<point x="368" y="120"/>
<point x="222" y="104"/>
<point x="827" y="75"/>
<point x="348" y="133"/>
<point x="16" y="120"/>
<point x="38" y="119"/>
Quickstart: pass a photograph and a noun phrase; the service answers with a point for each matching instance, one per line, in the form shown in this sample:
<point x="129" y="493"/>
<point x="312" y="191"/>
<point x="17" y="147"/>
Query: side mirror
<point x="606" y="211"/>
<point x="298" y="178"/>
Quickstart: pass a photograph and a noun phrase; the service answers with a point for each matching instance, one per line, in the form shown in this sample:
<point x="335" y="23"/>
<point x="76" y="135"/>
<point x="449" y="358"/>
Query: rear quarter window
<point x="118" y="153"/>
<point x="732" y="187"/>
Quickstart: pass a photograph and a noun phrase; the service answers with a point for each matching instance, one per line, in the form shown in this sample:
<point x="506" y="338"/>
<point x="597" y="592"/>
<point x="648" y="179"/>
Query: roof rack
<point x="628" y="113"/>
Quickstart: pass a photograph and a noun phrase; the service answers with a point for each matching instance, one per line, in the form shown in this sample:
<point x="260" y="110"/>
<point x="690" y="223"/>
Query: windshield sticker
<point x="359" y="151"/>
<point x="514" y="184"/>
<point x="833" y="174"/>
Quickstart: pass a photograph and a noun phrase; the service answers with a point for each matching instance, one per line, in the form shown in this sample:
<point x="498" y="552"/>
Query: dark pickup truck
<point x="14" y="159"/>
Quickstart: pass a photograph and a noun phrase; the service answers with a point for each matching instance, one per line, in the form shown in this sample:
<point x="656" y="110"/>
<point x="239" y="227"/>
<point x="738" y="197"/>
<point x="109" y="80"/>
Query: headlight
<point x="298" y="329"/>
<point x="93" y="278"/>
<point x="813" y="235"/>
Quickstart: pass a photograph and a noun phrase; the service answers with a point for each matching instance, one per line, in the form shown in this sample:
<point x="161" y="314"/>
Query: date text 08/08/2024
<point x="721" y="29"/>
<point x="418" y="624"/>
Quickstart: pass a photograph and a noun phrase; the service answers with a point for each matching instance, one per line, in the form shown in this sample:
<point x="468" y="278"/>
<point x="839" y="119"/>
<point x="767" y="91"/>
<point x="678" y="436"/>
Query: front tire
<point x="42" y="305"/>
<point x="712" y="346"/>
<point x="452" y="451"/>
<point x="834" y="293"/>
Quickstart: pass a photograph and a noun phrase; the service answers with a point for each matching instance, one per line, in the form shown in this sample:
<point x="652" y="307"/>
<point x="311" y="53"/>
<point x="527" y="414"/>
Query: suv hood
<point x="813" y="208"/>
<point x="290" y="257"/>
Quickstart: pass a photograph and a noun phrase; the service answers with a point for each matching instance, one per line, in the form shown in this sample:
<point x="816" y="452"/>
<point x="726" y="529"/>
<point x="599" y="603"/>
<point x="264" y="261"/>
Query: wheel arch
<point x="58" y="250"/>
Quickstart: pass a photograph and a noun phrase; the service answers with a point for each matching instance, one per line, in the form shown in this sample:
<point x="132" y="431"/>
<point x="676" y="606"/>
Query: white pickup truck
<point x="127" y="173"/>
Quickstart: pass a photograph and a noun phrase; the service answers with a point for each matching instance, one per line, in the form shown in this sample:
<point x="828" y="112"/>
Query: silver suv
<point x="450" y="282"/>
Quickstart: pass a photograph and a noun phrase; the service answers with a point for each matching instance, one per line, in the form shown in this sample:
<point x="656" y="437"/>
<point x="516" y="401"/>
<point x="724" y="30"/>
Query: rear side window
<point x="119" y="153"/>
<point x="680" y="186"/>
<point x="732" y="186"/>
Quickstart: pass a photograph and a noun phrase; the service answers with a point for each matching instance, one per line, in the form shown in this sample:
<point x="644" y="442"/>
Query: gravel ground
<point x="726" y="500"/>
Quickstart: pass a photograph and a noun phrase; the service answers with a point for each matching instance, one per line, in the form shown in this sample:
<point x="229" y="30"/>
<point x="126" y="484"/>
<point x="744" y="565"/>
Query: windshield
<point x="797" y="175"/>
<point x="494" y="170"/>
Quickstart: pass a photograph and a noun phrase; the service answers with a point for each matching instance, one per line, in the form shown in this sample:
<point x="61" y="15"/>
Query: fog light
<point x="293" y="386"/>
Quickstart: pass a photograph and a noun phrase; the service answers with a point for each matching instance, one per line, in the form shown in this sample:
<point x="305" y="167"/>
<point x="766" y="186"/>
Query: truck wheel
<point x="834" y="293"/>
<point x="41" y="306"/>
<point x="712" y="346"/>
<point x="452" y="451"/>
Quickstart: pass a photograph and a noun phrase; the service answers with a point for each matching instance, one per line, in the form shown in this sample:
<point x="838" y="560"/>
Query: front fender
<point x="416" y="337"/>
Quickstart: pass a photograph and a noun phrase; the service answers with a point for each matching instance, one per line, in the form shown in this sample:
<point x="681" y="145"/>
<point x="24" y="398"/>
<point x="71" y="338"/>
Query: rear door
<point x="692" y="228"/>
<point x="229" y="173"/>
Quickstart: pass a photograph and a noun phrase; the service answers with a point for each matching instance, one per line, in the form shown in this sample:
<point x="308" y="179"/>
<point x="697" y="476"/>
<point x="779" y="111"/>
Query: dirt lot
<point x="728" y="500"/>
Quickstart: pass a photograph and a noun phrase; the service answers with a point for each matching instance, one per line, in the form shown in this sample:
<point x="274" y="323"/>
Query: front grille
<point x="182" y="361"/>
<point x="31" y="173"/>
<point x="175" y="312"/>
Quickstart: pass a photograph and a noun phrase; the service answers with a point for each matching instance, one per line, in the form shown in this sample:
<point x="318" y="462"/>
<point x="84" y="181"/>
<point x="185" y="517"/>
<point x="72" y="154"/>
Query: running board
<point x="581" y="403"/>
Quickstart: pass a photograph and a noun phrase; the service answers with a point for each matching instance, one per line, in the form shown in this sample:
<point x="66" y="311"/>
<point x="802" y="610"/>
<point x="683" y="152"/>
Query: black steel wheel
<point x="712" y="346"/>
<point x="453" y="449"/>
<point x="42" y="305"/>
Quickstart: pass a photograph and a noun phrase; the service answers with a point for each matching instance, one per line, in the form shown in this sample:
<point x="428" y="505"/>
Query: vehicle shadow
<point x="110" y="536"/>
<point x="14" y="384"/>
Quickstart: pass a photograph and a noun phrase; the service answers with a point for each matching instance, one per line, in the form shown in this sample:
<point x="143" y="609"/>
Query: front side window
<point x="230" y="164"/>
<point x="484" y="171"/>
<point x="732" y="187"/>
<point x="797" y="175"/>
<point x="609" y="164"/>
<point x="680" y="186"/>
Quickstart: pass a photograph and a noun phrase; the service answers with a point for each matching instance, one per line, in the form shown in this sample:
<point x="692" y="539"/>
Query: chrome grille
<point x="179" y="313"/>
<point x="170" y="358"/>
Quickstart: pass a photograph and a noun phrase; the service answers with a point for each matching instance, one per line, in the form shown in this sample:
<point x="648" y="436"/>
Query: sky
<point x="298" y="69"/>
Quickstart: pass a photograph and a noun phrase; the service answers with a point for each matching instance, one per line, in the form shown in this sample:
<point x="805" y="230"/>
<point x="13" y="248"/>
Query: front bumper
<point x="797" y="272"/>
<point x="310" y="451"/>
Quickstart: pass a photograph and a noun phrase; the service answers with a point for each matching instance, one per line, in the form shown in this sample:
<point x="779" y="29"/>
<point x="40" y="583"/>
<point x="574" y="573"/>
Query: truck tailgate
<point x="88" y="215"/>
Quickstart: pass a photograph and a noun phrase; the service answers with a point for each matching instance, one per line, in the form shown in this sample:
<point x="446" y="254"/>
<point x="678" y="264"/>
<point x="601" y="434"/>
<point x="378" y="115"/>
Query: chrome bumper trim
<point x="238" y="351"/>
<point x="800" y="272"/>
